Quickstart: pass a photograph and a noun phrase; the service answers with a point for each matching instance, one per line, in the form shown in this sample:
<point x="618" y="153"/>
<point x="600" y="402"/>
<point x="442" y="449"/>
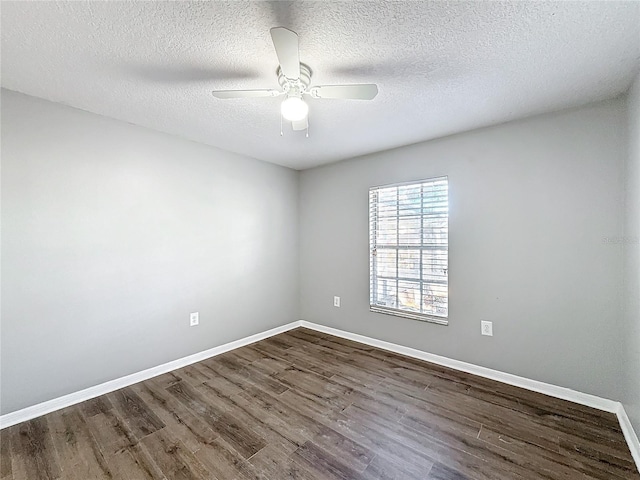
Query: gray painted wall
<point x="631" y="360"/>
<point x="531" y="204"/>
<point x="112" y="234"/>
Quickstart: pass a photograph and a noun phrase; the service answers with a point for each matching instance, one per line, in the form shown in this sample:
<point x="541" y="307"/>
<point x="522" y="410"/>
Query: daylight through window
<point x="408" y="254"/>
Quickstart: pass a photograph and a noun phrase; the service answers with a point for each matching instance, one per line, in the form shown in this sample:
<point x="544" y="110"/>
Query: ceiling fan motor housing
<point x="295" y="86"/>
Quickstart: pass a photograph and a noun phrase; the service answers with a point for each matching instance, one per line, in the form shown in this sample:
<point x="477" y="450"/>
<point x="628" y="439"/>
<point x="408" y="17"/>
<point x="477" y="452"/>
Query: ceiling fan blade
<point x="300" y="124"/>
<point x="245" y="93"/>
<point x="362" y="91"/>
<point x="286" y="44"/>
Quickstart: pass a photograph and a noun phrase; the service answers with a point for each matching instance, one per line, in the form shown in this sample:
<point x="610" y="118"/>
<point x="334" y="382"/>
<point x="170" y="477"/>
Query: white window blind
<point x="408" y="255"/>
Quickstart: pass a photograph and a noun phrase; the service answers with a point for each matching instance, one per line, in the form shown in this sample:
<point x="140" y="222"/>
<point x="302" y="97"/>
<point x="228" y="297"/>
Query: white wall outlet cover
<point x="336" y="301"/>
<point x="194" y="319"/>
<point x="486" y="328"/>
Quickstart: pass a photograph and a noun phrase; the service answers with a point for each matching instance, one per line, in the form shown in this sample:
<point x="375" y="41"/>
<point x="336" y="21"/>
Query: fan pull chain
<point x="307" y="126"/>
<point x="281" y="133"/>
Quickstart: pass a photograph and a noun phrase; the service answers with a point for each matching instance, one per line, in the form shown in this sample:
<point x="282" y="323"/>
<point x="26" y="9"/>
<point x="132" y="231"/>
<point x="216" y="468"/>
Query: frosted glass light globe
<point x="294" y="109"/>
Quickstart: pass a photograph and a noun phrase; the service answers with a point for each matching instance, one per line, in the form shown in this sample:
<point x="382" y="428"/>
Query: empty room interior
<point x="320" y="240"/>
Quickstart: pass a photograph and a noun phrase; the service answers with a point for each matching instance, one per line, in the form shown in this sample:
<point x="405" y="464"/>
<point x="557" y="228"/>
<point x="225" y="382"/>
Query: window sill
<point x="412" y="316"/>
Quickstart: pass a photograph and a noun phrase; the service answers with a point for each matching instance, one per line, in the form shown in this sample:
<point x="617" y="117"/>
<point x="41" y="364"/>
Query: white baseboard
<point x="534" y="385"/>
<point x="49" y="406"/>
<point x="629" y="434"/>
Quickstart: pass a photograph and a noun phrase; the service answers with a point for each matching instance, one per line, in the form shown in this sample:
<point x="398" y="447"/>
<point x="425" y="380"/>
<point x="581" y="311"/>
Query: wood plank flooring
<point x="304" y="405"/>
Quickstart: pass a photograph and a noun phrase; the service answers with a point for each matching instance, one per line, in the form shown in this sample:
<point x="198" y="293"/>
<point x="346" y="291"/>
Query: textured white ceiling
<point x="441" y="67"/>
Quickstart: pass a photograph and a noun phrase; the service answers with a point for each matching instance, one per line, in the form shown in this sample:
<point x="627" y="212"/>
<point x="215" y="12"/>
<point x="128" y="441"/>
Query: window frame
<point x="424" y="317"/>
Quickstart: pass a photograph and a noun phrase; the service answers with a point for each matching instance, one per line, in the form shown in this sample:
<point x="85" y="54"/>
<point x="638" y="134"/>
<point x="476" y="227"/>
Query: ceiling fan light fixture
<point x="294" y="79"/>
<point x="294" y="109"/>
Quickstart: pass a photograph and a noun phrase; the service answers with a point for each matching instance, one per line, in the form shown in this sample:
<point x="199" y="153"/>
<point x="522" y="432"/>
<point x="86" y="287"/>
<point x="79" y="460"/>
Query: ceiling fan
<point x="295" y="80"/>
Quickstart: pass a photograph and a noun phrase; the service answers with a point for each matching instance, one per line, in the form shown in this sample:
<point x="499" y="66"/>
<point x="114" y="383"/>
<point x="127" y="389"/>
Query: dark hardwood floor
<point x="304" y="405"/>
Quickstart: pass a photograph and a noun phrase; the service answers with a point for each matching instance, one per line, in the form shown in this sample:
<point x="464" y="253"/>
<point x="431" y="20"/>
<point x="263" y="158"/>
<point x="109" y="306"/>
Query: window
<point x="408" y="254"/>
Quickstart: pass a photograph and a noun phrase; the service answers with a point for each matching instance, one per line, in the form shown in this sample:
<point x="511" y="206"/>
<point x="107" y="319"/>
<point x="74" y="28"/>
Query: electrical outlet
<point x="486" y="328"/>
<point x="336" y="301"/>
<point x="194" y="319"/>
